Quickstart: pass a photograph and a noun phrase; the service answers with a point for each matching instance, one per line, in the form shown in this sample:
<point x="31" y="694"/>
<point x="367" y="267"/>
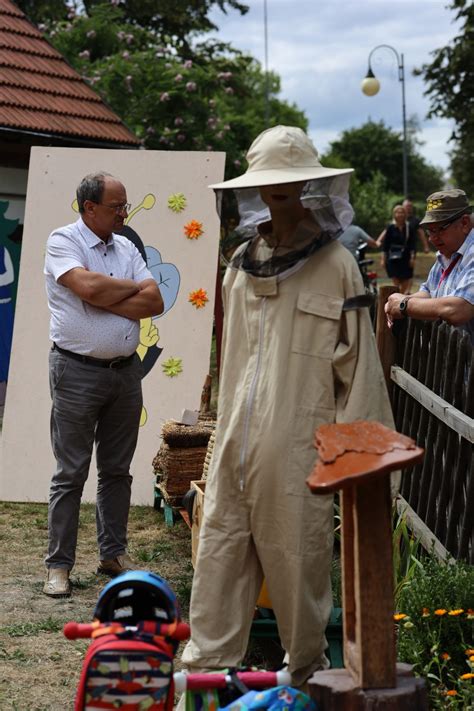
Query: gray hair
<point x="91" y="187"/>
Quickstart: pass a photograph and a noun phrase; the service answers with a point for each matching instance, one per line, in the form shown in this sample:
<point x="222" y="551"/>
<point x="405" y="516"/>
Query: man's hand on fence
<point x="392" y="308"/>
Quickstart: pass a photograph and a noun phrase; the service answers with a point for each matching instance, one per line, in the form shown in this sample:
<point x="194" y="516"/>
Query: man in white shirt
<point x="98" y="289"/>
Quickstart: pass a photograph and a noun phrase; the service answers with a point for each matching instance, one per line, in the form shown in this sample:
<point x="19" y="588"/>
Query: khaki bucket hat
<point x="282" y="154"/>
<point x="446" y="205"/>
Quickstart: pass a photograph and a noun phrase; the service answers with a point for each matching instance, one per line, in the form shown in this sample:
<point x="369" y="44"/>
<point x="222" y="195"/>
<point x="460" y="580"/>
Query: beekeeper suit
<point x="296" y="354"/>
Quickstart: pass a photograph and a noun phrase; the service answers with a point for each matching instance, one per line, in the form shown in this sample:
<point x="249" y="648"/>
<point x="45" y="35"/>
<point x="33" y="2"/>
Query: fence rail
<point x="433" y="402"/>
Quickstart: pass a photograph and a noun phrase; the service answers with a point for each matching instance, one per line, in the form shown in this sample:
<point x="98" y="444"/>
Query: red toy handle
<point x="75" y="630"/>
<point x="254" y="680"/>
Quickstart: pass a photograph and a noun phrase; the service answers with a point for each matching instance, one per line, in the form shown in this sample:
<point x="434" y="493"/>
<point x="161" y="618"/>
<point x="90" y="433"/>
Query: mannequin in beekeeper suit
<point x="298" y="351"/>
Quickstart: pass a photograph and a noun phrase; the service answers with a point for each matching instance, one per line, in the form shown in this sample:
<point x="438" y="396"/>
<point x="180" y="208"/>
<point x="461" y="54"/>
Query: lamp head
<point x="370" y="85"/>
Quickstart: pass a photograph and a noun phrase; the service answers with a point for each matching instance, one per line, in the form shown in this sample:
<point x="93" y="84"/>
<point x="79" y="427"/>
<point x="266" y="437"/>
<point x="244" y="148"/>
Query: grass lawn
<point x="40" y="668"/>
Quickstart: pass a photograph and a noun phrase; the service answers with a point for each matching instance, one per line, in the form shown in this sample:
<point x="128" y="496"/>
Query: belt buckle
<point x="115" y="363"/>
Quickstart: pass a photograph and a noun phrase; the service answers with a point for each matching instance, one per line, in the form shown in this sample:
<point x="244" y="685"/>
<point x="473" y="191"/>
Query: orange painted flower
<point x="469" y="675"/>
<point x="469" y="652"/>
<point x="445" y="655"/>
<point x="425" y="612"/>
<point x="471" y="659"/>
<point x="193" y="229"/>
<point x="399" y="616"/>
<point x="440" y="612"/>
<point x="198" y="298"/>
<point x="452" y="692"/>
<point x="455" y="613"/>
<point x="470" y="614"/>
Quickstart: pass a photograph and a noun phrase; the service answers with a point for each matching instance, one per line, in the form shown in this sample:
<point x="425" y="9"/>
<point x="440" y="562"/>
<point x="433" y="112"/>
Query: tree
<point x="172" y="93"/>
<point x="450" y="80"/>
<point x="374" y="148"/>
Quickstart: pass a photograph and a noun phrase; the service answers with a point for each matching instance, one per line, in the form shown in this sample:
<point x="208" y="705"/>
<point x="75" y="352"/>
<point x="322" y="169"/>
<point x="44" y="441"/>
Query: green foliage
<point x="374" y="148"/>
<point x="372" y="203"/>
<point x="173" y="95"/>
<point x="406" y="554"/>
<point x="450" y="82"/>
<point x="436" y="631"/>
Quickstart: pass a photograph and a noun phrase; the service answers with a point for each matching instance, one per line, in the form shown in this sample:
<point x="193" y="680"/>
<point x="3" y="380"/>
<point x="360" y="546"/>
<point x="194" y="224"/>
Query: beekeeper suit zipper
<point x="251" y="396"/>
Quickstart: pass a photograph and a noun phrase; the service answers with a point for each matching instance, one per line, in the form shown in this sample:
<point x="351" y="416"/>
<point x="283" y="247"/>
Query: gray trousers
<point x="91" y="404"/>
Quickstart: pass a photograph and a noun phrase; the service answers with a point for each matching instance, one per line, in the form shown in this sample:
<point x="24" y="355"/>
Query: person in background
<point x="98" y="289"/>
<point x="414" y="224"/>
<point x="448" y="292"/>
<point x="353" y="236"/>
<point x="399" y="250"/>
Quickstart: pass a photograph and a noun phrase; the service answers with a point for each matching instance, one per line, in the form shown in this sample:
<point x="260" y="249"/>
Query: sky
<point x="320" y="50"/>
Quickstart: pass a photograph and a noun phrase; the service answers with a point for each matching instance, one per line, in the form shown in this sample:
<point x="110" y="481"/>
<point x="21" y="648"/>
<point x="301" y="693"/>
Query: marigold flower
<point x="399" y="616"/>
<point x="445" y="655"/>
<point x="193" y="229"/>
<point x="471" y="659"/>
<point x="440" y="612"/>
<point x="455" y="613"/>
<point x="469" y="652"/>
<point x="198" y="298"/>
<point x="452" y="692"/>
<point x="469" y="675"/>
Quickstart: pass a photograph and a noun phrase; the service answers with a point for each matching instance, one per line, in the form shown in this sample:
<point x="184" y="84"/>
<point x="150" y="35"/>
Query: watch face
<point x="403" y="305"/>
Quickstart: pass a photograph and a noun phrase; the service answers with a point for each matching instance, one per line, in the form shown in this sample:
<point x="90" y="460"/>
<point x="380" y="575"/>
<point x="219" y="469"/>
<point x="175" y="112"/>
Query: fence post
<point x="384" y="337"/>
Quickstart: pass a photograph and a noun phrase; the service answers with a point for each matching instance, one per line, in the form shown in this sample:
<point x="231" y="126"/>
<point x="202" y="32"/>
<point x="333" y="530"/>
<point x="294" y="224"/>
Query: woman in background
<point x="399" y="250"/>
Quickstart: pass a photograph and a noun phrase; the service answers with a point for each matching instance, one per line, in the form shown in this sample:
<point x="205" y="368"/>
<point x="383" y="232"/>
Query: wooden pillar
<point x="356" y="459"/>
<point x="384" y="337"/>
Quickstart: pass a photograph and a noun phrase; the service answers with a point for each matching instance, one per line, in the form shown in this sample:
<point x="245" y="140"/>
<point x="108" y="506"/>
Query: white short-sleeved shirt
<point x="76" y="325"/>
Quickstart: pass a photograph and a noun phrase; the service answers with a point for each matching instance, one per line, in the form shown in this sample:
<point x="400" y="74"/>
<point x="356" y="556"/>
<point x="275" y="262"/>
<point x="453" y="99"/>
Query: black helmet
<point x="135" y="596"/>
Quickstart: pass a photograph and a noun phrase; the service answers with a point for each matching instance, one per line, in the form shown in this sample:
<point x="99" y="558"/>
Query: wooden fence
<point x="433" y="402"/>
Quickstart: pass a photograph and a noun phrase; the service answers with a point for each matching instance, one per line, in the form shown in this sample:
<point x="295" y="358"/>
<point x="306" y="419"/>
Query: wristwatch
<point x="403" y="306"/>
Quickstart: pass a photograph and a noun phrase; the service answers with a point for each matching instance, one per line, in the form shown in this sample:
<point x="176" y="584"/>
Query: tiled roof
<point x="41" y="92"/>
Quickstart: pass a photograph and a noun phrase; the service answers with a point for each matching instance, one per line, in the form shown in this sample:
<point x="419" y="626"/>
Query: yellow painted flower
<point x="177" y="202"/>
<point x="193" y="229"/>
<point x="172" y="367"/>
<point x="469" y="675"/>
<point x="452" y="692"/>
<point x="399" y="616"/>
<point x="198" y="298"/>
<point x="440" y="612"/>
<point x="425" y="612"/>
<point x="455" y="613"/>
<point x="471" y="659"/>
<point x="445" y="656"/>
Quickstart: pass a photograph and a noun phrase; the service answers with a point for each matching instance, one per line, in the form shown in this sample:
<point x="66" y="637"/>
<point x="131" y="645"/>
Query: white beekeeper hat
<point x="282" y="154"/>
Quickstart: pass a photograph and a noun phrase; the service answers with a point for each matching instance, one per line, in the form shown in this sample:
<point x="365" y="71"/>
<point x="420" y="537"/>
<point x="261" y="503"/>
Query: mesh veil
<point x="328" y="211"/>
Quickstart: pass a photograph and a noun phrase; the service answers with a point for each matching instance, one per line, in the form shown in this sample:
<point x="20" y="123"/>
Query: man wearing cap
<point x="298" y="352"/>
<point x="448" y="292"/>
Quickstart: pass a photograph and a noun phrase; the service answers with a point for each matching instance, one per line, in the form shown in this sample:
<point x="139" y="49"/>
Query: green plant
<point x="435" y="631"/>
<point x="406" y="555"/>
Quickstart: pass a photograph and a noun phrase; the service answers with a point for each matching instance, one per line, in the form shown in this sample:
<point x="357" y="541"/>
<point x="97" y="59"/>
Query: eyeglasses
<point x="118" y="208"/>
<point x="431" y="231"/>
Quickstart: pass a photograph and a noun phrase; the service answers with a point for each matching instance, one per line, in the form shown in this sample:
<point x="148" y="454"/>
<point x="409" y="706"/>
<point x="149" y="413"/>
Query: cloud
<point x="320" y="49"/>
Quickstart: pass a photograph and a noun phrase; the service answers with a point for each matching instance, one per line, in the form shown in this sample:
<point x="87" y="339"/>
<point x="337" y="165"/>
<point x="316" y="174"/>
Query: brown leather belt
<point x="120" y="362"/>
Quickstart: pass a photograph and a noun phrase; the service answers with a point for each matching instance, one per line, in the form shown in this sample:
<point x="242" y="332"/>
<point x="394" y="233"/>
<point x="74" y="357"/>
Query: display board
<point x="174" y="223"/>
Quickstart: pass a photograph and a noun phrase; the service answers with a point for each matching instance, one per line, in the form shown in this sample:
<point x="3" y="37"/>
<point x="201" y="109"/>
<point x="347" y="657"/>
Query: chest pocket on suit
<point x="316" y="324"/>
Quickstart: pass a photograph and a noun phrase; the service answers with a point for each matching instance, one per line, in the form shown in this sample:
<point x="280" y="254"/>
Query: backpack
<point x="129" y="664"/>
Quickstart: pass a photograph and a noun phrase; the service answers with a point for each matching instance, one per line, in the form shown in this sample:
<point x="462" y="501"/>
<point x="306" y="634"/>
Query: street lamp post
<point x="371" y="85"/>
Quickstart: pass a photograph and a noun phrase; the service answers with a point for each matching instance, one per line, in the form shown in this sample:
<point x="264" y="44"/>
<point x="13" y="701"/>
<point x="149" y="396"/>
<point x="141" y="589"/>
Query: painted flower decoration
<point x="177" y="202"/>
<point x="193" y="229"/>
<point x="198" y="298"/>
<point x="172" y="367"/>
<point x="399" y="616"/>
<point x="440" y="612"/>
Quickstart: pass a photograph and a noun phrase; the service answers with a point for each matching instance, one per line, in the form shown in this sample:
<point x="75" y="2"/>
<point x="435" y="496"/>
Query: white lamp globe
<point x="370" y="86"/>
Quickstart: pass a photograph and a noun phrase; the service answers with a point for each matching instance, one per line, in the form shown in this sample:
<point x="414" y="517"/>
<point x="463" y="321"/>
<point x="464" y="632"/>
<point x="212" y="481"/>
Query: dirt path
<point x="39" y="667"/>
